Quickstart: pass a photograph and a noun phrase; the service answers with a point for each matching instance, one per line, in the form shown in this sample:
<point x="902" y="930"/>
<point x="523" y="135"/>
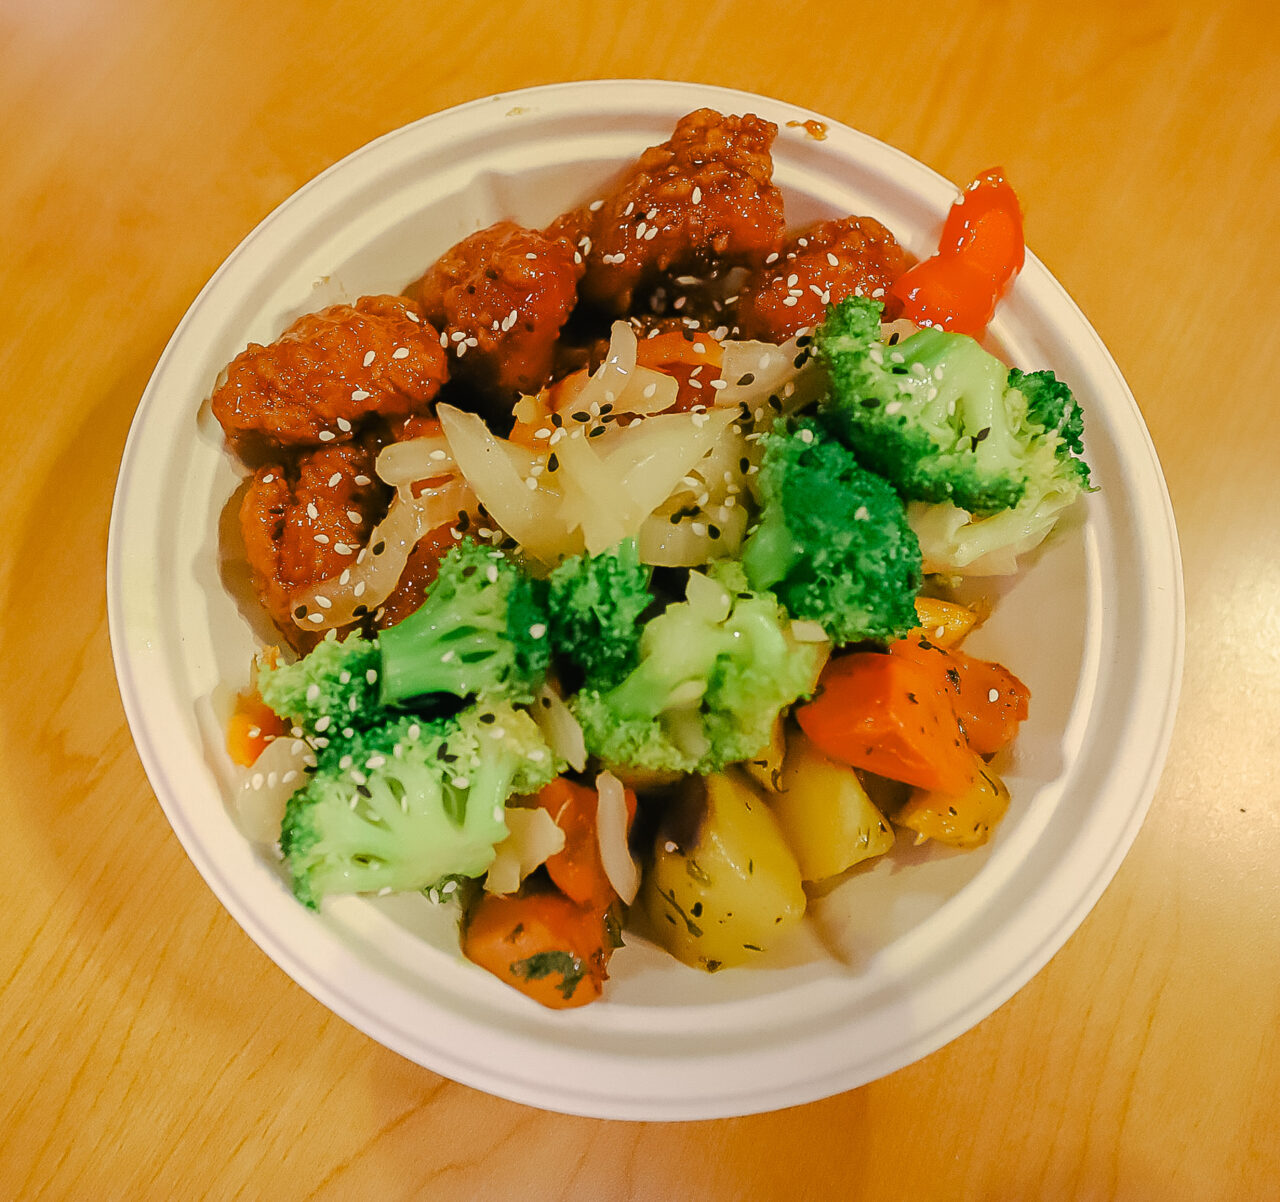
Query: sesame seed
<point x="327" y="436"/>
<point x="359" y="394"/>
<point x="369" y="357"/>
<point x="401" y="352"/>
<point x="697" y="195"/>
<point x="344" y="425"/>
<point x="363" y="480"/>
<point x="537" y="630"/>
<point x="322" y="723"/>
<point x="993" y="695"/>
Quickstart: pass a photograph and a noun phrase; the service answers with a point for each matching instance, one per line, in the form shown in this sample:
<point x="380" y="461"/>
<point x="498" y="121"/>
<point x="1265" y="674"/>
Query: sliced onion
<point x="610" y="380"/>
<point x="404" y="463"/>
<point x="559" y="727"/>
<point x="376" y="572"/>
<point x="661" y="451"/>
<point x="499" y="470"/>
<point x="268" y="784"/>
<point x="532" y="838"/>
<point x="595" y="499"/>
<point x="689" y="543"/>
<point x="649" y="391"/>
<point x="611" y="832"/>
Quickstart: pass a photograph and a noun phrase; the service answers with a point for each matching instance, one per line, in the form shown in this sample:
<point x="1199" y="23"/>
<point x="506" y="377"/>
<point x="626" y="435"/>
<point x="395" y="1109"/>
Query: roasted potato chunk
<point x="723" y="886"/>
<point x="825" y="814"/>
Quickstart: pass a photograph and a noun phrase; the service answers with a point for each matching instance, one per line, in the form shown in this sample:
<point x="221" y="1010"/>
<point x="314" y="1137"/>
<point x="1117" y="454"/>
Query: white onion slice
<point x="499" y="471"/>
<point x="659" y="453"/>
<point x="404" y="463"/>
<point x="559" y="727"/>
<point x="770" y="371"/>
<point x="610" y="380"/>
<point x="374" y="575"/>
<point x="258" y="804"/>
<point x="611" y="832"/>
<point x="532" y="838"/>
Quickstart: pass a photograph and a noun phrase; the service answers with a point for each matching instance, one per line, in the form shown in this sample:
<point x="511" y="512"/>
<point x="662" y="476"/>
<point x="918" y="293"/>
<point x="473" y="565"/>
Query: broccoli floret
<point x="481" y="631"/>
<point x="833" y="543"/>
<point x="927" y="414"/>
<point x="402" y="806"/>
<point x="715" y="671"/>
<point x="595" y="603"/>
<point x="954" y="540"/>
<point x="1051" y="405"/>
<point x="334" y="686"/>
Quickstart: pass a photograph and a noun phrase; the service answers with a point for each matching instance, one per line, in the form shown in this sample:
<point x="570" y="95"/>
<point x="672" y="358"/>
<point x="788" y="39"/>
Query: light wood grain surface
<point x="153" y="1052"/>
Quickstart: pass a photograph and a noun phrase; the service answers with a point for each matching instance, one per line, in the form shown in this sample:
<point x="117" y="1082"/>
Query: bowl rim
<point x="1053" y="923"/>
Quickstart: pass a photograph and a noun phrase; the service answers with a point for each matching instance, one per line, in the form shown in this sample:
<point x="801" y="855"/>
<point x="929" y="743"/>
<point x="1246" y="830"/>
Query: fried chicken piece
<point x="306" y="525"/>
<point x="501" y="296"/>
<point x="704" y="197"/>
<point x="327" y="373"/>
<point x="855" y="256"/>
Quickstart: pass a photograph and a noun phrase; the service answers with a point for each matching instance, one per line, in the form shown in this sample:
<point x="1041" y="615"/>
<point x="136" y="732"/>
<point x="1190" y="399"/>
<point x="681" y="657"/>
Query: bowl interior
<point x="899" y="957"/>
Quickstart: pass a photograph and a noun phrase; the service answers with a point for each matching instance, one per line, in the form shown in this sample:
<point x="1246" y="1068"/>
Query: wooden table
<point x="154" y="1052"/>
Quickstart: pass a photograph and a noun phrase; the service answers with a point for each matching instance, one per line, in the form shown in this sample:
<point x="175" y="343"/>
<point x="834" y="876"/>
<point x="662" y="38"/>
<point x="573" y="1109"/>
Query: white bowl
<point x="901" y="958"/>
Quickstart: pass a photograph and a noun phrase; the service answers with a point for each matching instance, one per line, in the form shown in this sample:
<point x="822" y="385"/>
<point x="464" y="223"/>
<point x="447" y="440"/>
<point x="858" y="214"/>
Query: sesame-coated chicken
<point x="855" y="256"/>
<point x="305" y="525"/>
<point x="704" y="197"/>
<point x="328" y="373"/>
<point x="501" y="296"/>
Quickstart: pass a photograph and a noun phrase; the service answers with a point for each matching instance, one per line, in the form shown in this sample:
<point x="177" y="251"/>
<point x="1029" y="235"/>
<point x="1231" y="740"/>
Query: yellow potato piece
<point x="944" y="623"/>
<point x="723" y="886"/>
<point x="826" y="817"/>
<point x="963" y="820"/>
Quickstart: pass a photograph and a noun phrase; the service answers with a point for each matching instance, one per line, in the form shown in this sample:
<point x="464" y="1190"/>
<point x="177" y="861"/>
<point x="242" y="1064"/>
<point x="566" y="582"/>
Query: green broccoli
<point x="1051" y="405"/>
<point x="595" y="604"/>
<point x="333" y="687"/>
<point x="989" y="544"/>
<point x="405" y="805"/>
<point x="715" y="672"/>
<point x="938" y="417"/>
<point x="481" y="631"/>
<point x="833" y="543"/>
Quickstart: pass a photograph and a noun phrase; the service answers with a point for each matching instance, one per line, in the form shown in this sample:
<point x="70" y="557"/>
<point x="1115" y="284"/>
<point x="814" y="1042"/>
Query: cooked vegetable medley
<point x="612" y="564"/>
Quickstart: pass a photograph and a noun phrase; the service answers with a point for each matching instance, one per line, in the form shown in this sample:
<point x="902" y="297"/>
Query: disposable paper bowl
<point x="901" y="958"/>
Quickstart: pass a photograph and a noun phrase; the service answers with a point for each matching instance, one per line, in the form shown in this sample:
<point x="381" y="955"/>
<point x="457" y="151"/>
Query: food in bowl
<point x="616" y="561"/>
